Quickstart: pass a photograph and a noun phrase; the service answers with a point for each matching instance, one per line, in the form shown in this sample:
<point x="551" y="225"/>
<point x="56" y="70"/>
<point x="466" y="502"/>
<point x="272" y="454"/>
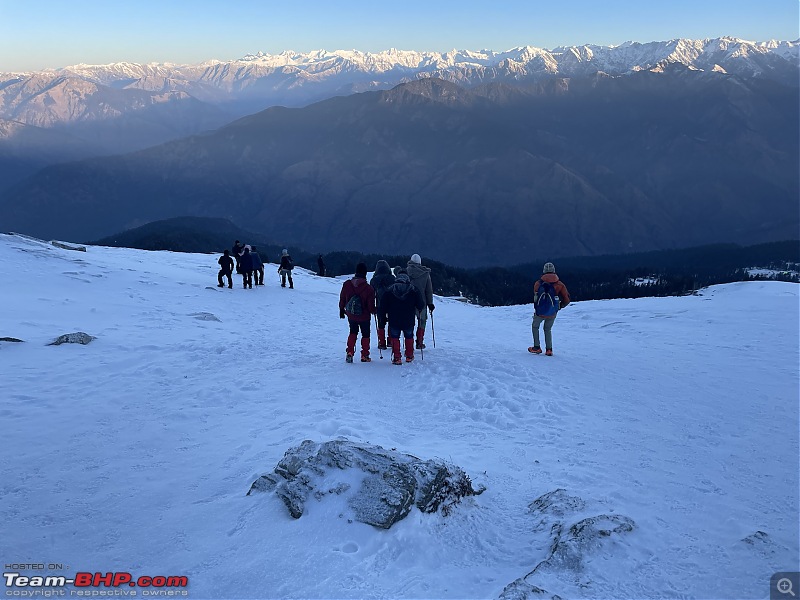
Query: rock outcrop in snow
<point x="576" y="541"/>
<point x="380" y="487"/>
<point x="78" y="337"/>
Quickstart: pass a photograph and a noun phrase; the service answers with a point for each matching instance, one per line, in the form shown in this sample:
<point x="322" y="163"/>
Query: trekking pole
<point x="433" y="331"/>
<point x="380" y="350"/>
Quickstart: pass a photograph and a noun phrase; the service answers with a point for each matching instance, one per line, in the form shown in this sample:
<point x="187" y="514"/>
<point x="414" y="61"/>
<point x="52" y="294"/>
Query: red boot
<point x="381" y="339"/>
<point x="420" y="335"/>
<point x="395" y="342"/>
<point x="364" y="349"/>
<point x="351" y="344"/>
<point x="409" y="349"/>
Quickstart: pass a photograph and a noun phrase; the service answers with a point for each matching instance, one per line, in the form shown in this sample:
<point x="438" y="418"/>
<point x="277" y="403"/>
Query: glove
<point x="341" y="313"/>
<point x="431" y="307"/>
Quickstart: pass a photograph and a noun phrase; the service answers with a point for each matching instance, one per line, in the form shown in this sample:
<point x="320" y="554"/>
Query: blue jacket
<point x="246" y="261"/>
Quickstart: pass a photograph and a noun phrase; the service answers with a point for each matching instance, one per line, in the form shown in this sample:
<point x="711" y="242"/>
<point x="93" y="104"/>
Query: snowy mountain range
<point x="81" y="93"/>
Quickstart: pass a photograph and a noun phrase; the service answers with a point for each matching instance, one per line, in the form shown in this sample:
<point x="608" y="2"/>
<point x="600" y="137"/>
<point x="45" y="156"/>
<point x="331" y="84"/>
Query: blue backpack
<point x="547" y="301"/>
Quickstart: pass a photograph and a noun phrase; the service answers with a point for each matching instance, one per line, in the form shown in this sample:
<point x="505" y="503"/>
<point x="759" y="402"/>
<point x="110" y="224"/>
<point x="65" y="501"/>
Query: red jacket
<point x="558" y="286"/>
<point x="358" y="286"/>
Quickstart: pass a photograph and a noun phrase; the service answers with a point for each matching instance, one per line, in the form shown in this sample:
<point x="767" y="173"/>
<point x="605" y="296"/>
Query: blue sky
<point x="56" y="33"/>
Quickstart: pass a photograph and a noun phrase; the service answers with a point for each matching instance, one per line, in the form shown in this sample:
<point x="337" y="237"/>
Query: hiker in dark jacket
<point x="400" y="305"/>
<point x="258" y="267"/>
<point x="225" y="269"/>
<point x="321" y="266"/>
<point x="421" y="279"/>
<point x="560" y="290"/>
<point x="357" y="303"/>
<point x="237" y="251"/>
<point x="285" y="269"/>
<point x="246" y="265"/>
<point x="380" y="282"/>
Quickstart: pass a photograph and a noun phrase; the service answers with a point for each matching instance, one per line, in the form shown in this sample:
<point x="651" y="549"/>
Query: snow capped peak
<point x="627" y="57"/>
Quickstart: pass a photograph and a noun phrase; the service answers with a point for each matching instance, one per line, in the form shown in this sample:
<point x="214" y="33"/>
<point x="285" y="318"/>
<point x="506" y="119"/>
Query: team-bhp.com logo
<point x="95" y="584"/>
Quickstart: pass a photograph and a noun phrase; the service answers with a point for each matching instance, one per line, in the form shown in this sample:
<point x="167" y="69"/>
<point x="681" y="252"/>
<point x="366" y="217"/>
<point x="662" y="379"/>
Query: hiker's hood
<point x="550" y="277"/>
<point x="401" y="288"/>
<point x="382" y="268"/>
<point x="415" y="270"/>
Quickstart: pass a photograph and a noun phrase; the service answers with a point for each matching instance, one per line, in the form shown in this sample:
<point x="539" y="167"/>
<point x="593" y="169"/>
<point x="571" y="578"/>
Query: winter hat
<point x="284" y="252"/>
<point x="549" y="268"/>
<point x="403" y="278"/>
<point x="416" y="259"/>
<point x="361" y="270"/>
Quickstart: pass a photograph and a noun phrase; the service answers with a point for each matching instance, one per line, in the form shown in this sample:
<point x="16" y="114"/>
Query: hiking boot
<point x="283" y="285"/>
<point x="397" y="361"/>
<point x="420" y="345"/>
<point x="534" y="350"/>
<point x="348" y="358"/>
<point x="366" y="359"/>
<point x="382" y="346"/>
<point x="220" y="285"/>
<point x="548" y="352"/>
<point x="409" y="358"/>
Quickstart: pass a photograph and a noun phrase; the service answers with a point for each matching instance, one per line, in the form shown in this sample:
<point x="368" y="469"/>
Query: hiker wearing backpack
<point x="285" y="269"/>
<point x="357" y="302"/>
<point x="400" y="305"/>
<point x="421" y="279"/>
<point x="380" y="282"/>
<point x="549" y="296"/>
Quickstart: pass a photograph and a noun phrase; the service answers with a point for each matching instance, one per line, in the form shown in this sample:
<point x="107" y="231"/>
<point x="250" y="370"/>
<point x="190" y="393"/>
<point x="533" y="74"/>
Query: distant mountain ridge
<point x="491" y="174"/>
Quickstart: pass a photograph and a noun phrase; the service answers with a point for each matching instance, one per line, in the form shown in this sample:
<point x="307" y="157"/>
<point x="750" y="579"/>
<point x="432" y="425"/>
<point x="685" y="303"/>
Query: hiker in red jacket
<point x="549" y="296"/>
<point x="357" y="302"/>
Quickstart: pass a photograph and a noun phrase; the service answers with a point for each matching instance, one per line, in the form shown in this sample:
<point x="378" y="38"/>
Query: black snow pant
<point x="222" y="274"/>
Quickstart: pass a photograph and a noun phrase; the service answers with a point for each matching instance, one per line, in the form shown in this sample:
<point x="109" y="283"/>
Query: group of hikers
<point x="250" y="265"/>
<point x="399" y="298"/>
<point x="404" y="297"/>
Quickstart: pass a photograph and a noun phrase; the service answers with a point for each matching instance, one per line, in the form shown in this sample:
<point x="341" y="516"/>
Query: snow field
<point x="134" y="453"/>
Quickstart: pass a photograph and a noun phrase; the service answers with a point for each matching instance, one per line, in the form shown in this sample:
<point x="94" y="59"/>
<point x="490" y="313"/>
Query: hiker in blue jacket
<point x="246" y="265"/>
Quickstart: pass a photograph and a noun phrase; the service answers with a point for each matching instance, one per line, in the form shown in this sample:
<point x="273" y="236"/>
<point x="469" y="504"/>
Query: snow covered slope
<point x="134" y="453"/>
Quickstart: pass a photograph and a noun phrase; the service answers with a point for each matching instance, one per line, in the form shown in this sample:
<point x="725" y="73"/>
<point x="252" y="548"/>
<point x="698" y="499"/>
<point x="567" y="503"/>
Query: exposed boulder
<point x="78" y="337"/>
<point x="9" y="339"/>
<point x="575" y="541"/>
<point x="205" y="316"/>
<point x="65" y="246"/>
<point x="380" y="486"/>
